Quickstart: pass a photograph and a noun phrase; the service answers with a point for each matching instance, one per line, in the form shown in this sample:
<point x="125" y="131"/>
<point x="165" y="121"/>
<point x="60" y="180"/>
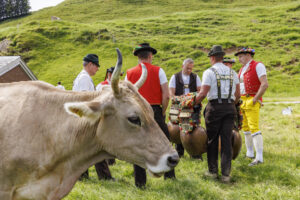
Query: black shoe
<point x="255" y="162"/>
<point x="211" y="175"/>
<point x="225" y="179"/>
<point x="141" y="185"/>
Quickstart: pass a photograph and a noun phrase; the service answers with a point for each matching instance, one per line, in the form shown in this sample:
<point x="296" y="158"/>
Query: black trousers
<point x="102" y="171"/>
<point x="219" y="119"/>
<point x="139" y="172"/>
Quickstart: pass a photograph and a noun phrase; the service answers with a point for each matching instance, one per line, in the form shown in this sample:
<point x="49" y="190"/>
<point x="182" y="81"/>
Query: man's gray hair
<point x="85" y="63"/>
<point x="187" y="61"/>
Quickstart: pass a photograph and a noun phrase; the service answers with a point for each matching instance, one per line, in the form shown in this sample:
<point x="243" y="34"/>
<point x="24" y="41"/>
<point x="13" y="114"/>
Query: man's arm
<point x="172" y="91"/>
<point x="165" y="97"/>
<point x="198" y="82"/>
<point x="202" y="94"/>
<point x="237" y="93"/>
<point x="262" y="89"/>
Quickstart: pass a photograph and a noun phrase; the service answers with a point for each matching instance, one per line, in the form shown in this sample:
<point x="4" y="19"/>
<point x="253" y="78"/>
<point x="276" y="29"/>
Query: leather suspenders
<point x="223" y="77"/>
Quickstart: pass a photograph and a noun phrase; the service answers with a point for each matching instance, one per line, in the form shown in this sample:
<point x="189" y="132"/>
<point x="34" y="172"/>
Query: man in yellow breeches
<point x="253" y="84"/>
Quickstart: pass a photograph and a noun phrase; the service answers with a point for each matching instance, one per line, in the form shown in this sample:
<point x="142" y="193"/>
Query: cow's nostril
<point x="173" y="160"/>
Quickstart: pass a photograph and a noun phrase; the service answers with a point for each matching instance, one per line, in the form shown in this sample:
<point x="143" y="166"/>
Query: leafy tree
<point x="13" y="8"/>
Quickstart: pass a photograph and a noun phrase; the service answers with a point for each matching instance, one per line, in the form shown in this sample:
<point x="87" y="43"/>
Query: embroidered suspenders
<point x="223" y="77"/>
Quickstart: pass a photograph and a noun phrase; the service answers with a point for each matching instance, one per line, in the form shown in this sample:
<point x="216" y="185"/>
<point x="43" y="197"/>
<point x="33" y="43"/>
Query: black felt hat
<point x="92" y="58"/>
<point x="228" y="60"/>
<point x="144" y="47"/>
<point x="110" y="70"/>
<point x="216" y="50"/>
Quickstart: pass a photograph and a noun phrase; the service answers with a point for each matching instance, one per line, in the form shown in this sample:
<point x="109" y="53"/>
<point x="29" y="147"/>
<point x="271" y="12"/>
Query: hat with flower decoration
<point x="245" y="50"/>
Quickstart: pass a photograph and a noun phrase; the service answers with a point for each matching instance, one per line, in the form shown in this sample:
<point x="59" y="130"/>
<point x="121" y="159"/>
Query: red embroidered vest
<point x="151" y="89"/>
<point x="251" y="80"/>
<point x="104" y="82"/>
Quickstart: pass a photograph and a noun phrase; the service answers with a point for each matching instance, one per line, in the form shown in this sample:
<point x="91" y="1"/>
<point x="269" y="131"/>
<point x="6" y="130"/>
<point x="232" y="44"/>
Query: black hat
<point x="144" y="47"/>
<point x="216" y="50"/>
<point x="228" y="60"/>
<point x="110" y="70"/>
<point x="245" y="50"/>
<point x="92" y="58"/>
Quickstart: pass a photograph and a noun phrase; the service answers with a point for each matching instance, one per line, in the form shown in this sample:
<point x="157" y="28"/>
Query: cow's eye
<point x="135" y="120"/>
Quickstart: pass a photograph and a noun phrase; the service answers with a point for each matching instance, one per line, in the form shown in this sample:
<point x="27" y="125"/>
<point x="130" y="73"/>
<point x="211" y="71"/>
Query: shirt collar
<point x="248" y="63"/>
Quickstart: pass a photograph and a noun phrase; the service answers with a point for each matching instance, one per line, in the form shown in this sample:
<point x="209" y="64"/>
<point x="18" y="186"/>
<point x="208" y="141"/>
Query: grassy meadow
<point x="278" y="178"/>
<point x="53" y="50"/>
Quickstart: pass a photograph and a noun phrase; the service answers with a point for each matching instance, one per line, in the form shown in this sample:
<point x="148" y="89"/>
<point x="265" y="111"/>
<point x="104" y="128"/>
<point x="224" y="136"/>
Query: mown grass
<point x="54" y="49"/>
<point x="277" y="178"/>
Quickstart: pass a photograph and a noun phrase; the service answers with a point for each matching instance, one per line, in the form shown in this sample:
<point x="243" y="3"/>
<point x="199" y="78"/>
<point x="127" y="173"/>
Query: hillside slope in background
<point x="177" y="29"/>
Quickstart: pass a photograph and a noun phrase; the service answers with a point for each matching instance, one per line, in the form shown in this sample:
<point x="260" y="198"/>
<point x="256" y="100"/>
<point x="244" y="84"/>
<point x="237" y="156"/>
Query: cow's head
<point x="125" y="124"/>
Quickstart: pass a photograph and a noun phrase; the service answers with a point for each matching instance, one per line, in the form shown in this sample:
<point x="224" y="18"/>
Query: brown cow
<point x="44" y="149"/>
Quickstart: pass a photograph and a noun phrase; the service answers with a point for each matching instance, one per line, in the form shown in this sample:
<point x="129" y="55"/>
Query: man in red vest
<point x="156" y="91"/>
<point x="253" y="84"/>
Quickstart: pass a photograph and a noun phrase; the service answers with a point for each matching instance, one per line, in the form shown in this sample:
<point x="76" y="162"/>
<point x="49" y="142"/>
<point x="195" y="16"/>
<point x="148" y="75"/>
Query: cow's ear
<point x="90" y="110"/>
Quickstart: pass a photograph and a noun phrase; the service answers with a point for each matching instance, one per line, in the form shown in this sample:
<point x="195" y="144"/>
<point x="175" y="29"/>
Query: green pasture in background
<point x="177" y="29"/>
<point x="278" y="178"/>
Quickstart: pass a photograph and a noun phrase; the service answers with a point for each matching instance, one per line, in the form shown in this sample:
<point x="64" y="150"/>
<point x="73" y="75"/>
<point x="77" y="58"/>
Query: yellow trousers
<point x="250" y="114"/>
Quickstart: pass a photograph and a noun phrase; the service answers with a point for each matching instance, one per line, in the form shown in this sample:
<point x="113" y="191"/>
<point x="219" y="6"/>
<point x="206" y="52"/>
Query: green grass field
<point x="178" y="29"/>
<point x="277" y="178"/>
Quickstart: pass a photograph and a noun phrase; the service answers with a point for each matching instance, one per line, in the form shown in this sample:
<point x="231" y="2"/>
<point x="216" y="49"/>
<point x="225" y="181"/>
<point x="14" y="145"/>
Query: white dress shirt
<point x="209" y="78"/>
<point x="83" y="82"/>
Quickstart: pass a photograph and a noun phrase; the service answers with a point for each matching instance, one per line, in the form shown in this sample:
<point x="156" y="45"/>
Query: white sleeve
<point x="162" y="77"/>
<point x="206" y="78"/>
<point x="261" y="70"/>
<point x="235" y="78"/>
<point x="172" y="83"/>
<point x="99" y="87"/>
<point x="85" y="84"/>
<point x="198" y="81"/>
<point x="125" y="79"/>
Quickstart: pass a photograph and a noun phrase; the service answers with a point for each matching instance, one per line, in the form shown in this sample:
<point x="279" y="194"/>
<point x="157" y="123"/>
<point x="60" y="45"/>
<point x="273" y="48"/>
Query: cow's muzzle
<point x="166" y="163"/>
<point x="173" y="160"/>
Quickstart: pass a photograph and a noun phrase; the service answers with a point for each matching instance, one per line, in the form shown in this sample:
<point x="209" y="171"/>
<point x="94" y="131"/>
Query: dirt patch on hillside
<point x="4" y="44"/>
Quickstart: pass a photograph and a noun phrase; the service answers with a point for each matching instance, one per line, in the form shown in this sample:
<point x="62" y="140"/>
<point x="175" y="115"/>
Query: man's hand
<point x="254" y="101"/>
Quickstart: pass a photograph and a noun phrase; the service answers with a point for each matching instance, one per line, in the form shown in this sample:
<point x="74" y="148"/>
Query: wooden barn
<point x="13" y="69"/>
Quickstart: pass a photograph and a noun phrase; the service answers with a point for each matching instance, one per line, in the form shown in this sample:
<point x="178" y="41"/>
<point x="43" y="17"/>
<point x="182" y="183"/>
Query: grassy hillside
<point x="178" y="29"/>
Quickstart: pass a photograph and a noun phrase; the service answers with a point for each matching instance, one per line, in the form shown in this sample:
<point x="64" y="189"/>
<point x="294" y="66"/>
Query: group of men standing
<point x="222" y="86"/>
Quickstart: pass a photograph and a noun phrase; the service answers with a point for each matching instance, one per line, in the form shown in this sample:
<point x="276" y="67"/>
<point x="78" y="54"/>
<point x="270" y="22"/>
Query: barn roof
<point x="7" y="63"/>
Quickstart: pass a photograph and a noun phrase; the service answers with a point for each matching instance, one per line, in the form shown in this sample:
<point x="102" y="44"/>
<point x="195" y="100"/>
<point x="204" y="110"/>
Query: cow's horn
<point x="116" y="74"/>
<point x="143" y="77"/>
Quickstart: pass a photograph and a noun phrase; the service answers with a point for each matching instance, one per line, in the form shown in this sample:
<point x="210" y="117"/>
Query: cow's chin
<point x="160" y="168"/>
<point x="156" y="175"/>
